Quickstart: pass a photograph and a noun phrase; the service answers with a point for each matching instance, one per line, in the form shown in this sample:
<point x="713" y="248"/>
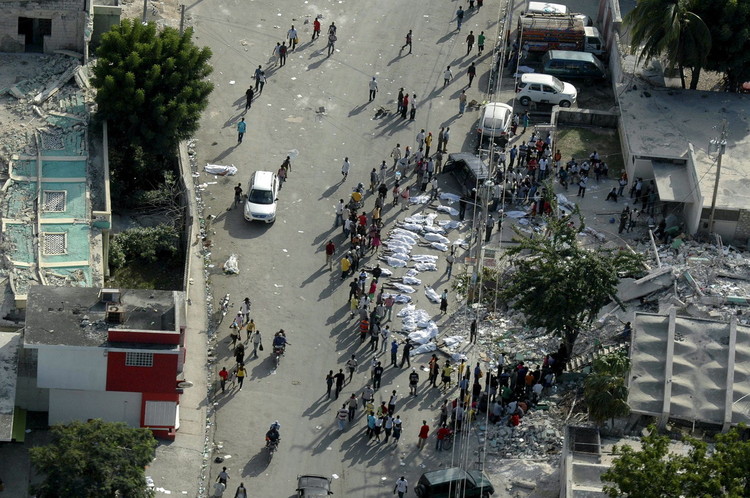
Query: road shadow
<point x="257" y="465"/>
<point x="329" y="191"/>
<point x="359" y="109"/>
<point x="226" y="152"/>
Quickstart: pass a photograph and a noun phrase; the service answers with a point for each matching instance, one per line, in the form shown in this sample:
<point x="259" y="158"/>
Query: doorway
<point x="34" y="31"/>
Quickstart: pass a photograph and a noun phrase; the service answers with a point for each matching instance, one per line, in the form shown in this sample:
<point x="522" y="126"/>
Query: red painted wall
<point x="145" y="336"/>
<point x="159" y="378"/>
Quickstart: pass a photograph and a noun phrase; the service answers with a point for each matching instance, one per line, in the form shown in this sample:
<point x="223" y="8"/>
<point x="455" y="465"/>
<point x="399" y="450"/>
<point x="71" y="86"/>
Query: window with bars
<point x="139" y="359"/>
<point x="54" y="200"/>
<point x="54" y="243"/>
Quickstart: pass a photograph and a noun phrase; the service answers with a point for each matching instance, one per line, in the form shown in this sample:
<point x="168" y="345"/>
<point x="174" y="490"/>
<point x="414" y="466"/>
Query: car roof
<point x="537" y="78"/>
<point x="475" y="164"/>
<point x="314" y="484"/>
<point x="444" y="475"/>
<point x="262" y="179"/>
<point x="497" y="109"/>
<point x="570" y="55"/>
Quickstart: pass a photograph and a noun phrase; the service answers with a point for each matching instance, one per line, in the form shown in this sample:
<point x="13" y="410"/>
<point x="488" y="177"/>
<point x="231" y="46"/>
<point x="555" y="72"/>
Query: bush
<point x="145" y="244"/>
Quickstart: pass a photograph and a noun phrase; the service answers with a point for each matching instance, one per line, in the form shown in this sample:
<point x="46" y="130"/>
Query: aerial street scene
<point x="469" y="248"/>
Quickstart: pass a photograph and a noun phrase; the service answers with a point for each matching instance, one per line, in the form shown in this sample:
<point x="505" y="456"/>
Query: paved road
<point x="318" y="106"/>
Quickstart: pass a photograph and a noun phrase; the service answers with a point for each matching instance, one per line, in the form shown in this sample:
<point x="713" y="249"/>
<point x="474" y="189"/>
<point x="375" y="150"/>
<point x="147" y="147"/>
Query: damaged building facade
<point x="43" y="25"/>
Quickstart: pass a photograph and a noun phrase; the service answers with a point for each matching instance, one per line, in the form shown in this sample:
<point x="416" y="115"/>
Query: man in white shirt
<point x="402" y="485"/>
<point x="447" y="76"/>
<point x="373" y="88"/>
<point x="396" y="154"/>
<point x="292" y="35"/>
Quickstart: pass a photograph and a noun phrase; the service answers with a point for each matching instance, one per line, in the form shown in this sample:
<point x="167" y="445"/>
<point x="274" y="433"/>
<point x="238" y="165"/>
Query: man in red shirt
<point x="424" y="432"/>
<point x="442" y="433"/>
<point x="316" y="28"/>
<point x="363" y="219"/>
<point x="330" y="250"/>
<point x="223" y="375"/>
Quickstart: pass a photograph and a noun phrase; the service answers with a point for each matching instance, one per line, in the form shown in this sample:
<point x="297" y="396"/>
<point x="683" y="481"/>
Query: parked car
<point x="495" y="122"/>
<point x="546" y="89"/>
<point x="468" y="169"/>
<point x="570" y="64"/>
<point x="313" y="485"/>
<point x="447" y="483"/>
<point x="261" y="199"/>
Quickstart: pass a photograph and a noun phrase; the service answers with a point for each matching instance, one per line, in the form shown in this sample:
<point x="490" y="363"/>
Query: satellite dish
<point x="184" y="384"/>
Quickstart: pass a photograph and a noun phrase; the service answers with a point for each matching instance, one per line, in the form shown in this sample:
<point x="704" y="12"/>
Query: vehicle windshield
<point x="260" y="196"/>
<point x="495" y="118"/>
<point x="557" y="85"/>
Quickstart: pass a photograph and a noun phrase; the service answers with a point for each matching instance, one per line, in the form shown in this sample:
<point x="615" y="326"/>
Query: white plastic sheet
<point x="432" y="295"/>
<point x="447" y="209"/>
<point x="447" y="196"/>
<point x="426" y="266"/>
<point x="439" y="246"/>
<point x="220" y="170"/>
<point x="403" y="288"/>
<point x="424" y="348"/>
<point x="436" y="237"/>
<point x="393" y="262"/>
<point x="425" y="258"/>
<point x="232" y="265"/>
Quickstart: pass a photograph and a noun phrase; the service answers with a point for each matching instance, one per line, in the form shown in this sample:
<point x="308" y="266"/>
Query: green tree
<point x="605" y="392"/>
<point x="670" y="28"/>
<point x="729" y="24"/>
<point x="558" y="284"/>
<point x="151" y="86"/>
<point x="145" y="244"/>
<point x="94" y="459"/>
<point x="654" y="472"/>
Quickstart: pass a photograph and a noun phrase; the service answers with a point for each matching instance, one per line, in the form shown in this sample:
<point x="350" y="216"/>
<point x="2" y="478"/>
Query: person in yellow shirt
<point x="427" y="144"/>
<point x="346" y="265"/>
<point x="446" y="375"/>
<point x="241" y="373"/>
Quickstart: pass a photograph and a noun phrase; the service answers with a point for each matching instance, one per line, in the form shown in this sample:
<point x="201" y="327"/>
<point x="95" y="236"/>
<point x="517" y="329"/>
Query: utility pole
<point x="720" y="145"/>
<point x="182" y="19"/>
<point x="145" y="7"/>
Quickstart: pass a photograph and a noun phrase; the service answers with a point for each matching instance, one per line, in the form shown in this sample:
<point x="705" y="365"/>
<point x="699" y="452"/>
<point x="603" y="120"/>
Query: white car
<point x="545" y="89"/>
<point x="495" y="121"/>
<point x="261" y="200"/>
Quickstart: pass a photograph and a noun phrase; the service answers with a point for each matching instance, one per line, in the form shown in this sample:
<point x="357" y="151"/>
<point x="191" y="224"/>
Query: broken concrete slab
<point x="656" y="280"/>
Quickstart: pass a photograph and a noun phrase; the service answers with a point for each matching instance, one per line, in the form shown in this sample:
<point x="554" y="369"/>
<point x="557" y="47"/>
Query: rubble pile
<point x="539" y="436"/>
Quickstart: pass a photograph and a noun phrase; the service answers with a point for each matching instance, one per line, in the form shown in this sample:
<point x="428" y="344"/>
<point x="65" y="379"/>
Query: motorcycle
<point x="278" y="352"/>
<point x="272" y="446"/>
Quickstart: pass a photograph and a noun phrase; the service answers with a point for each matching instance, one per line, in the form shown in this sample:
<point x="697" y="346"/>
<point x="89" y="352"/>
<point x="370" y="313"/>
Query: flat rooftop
<point x="690" y="368"/>
<point x="664" y="124"/>
<point x="75" y="316"/>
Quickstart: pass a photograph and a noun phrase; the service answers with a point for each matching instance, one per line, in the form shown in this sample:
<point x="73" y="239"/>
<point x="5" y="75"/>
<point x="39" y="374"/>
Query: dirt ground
<point x="581" y="142"/>
<point x="164" y="13"/>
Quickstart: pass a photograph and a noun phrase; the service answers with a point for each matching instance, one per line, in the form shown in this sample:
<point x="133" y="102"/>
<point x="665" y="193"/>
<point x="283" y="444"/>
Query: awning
<point x="673" y="182"/>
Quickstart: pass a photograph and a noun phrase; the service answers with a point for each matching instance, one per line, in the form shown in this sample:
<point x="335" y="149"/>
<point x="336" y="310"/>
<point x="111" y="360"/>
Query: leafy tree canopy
<point x="654" y="472"/>
<point x="558" y="284"/>
<point x="605" y="391"/>
<point x="151" y="86"/>
<point x="94" y="459"/>
<point x="729" y="24"/>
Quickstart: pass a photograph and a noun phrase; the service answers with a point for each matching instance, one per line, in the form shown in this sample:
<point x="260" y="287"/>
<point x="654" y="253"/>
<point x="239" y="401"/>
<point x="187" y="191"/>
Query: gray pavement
<point x="318" y="106"/>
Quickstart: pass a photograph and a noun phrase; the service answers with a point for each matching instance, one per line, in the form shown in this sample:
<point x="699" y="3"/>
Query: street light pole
<point x="720" y="145"/>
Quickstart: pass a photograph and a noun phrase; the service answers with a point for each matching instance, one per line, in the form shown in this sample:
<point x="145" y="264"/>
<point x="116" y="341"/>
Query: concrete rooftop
<point x="56" y="315"/>
<point x="666" y="122"/>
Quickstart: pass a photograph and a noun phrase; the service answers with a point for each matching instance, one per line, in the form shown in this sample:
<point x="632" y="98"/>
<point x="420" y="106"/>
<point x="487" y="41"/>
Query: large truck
<point x="544" y="32"/>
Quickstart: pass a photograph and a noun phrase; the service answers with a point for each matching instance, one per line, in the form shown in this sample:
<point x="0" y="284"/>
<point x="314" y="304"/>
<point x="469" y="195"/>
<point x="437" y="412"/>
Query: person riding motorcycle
<point x="279" y="340"/>
<point x="273" y="436"/>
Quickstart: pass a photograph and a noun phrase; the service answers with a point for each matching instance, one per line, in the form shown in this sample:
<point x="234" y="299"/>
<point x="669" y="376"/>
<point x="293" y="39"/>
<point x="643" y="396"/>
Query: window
<point x="54" y="200"/>
<point x="54" y="243"/>
<point x="139" y="359"/>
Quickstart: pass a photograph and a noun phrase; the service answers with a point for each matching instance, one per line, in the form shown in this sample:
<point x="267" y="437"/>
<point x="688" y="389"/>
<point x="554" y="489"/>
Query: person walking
<point x="351" y="365"/>
<point x="582" y="186"/>
<point x="459" y="18"/>
<point x="261" y="81"/>
<point x="447" y="76"/>
<point x="340" y="378"/>
<point x="413" y="382"/>
<point x="241" y="373"/>
<point x="257" y="342"/>
<point x="427" y="144"/>
<point x="340" y="212"/>
<point x="241" y="491"/>
<point x="241" y="128"/>
<point x="352" y="405"/>
<point x="377" y="375"/>
<point x="462" y="103"/>
<point x="446" y="136"/>
<point x="316" y="29"/>
<point x="345" y="169"/>
<point x="449" y="260"/>
<point x="424" y="433"/>
<point x="396" y="154"/>
<point x="394" y="352"/>
<point x="329" y="383"/>
<point x="469" y="42"/>
<point x="402" y="485"/>
<point x="223" y="376"/>
<point x="256" y="76"/>
<point x="444" y="302"/>
<point x="342" y="416"/>
<point x="473" y="331"/>
<point x="408" y="42"/>
<point x="292" y="36"/>
<point x="525" y="121"/>
<point x="373" y="88"/>
<point x="472" y="72"/>
<point x="237" y="195"/>
<point x="330" y="252"/>
<point x="480" y="43"/>
<point x="408" y="346"/>
<point x="282" y="54"/>
<point x="413" y="109"/>
<point x="249" y="93"/>
<point x="331" y="41"/>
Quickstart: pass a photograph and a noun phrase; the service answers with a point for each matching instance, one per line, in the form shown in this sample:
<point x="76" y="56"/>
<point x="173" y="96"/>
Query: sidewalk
<point x="177" y="463"/>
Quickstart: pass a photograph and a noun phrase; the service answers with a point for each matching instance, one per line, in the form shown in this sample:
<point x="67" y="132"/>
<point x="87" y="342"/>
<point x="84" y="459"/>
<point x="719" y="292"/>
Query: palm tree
<point x="605" y="391"/>
<point x="671" y="29"/>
